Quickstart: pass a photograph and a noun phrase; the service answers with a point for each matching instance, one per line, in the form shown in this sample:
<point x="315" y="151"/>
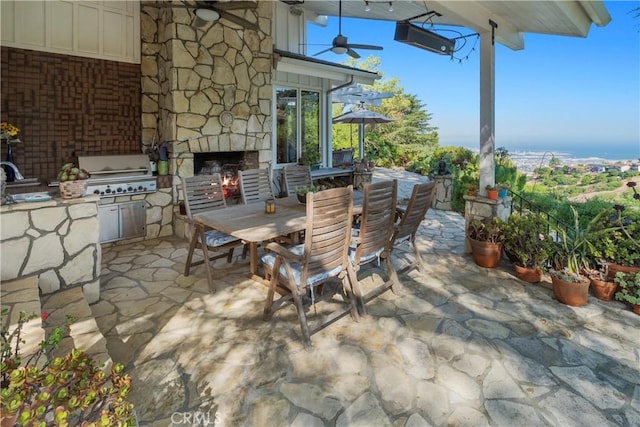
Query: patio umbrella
<point x="361" y="116"/>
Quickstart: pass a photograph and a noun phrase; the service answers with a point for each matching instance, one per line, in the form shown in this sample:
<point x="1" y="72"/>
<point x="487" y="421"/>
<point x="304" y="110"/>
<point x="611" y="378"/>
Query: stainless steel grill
<point x="117" y="175"/>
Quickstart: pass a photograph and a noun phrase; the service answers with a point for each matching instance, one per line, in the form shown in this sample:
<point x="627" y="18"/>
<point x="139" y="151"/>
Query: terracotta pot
<point x="603" y="290"/>
<point x="492" y="194"/>
<point x="486" y="254"/>
<point x="636" y="308"/>
<point x="530" y="275"/>
<point x="614" y="268"/>
<point x="570" y="293"/>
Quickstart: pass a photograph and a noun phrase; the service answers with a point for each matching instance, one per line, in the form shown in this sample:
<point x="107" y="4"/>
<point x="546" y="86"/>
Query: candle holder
<point x="270" y="206"/>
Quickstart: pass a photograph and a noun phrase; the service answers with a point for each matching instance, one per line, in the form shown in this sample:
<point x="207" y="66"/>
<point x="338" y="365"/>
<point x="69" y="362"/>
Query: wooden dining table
<point x="251" y="224"/>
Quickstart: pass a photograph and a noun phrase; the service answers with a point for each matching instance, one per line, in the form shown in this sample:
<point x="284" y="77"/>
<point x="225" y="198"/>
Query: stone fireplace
<point x="206" y="89"/>
<point x="227" y="164"/>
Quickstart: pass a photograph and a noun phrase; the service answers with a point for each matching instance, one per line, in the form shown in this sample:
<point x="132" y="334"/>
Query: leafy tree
<point x="398" y="142"/>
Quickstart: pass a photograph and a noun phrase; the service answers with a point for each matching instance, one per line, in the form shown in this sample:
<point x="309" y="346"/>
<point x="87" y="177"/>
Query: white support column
<point x="487" y="111"/>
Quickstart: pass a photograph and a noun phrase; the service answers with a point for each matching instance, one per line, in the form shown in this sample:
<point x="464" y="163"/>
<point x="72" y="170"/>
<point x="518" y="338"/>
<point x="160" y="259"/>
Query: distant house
<point x="596" y="168"/>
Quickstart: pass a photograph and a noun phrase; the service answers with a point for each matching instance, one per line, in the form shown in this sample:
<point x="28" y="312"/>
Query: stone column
<point x="444" y="191"/>
<point x="477" y="207"/>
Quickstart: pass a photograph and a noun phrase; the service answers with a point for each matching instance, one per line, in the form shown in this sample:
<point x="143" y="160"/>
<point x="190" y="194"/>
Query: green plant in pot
<point x="528" y="244"/>
<point x="486" y="237"/>
<point x="301" y="192"/>
<point x="570" y="257"/>
<point x="616" y="239"/>
<point x="629" y="285"/>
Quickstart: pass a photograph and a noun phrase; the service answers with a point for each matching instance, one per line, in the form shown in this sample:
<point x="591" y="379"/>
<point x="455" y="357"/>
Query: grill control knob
<point x="119" y="190"/>
<point x="96" y="192"/>
<point x="140" y="188"/>
<point x="108" y="190"/>
<point x="130" y="188"/>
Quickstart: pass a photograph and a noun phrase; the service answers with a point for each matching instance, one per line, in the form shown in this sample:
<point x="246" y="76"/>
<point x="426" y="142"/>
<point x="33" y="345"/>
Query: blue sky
<point x="557" y="92"/>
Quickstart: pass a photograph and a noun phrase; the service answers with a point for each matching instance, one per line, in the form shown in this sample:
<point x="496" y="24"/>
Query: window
<point x="297" y="125"/>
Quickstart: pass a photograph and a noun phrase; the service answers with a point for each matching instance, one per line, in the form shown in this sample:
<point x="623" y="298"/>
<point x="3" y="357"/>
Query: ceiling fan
<point x="213" y="10"/>
<point x="340" y="45"/>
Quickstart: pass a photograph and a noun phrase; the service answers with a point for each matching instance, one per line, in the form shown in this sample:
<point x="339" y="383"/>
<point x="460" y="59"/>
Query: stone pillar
<point x="477" y="207"/>
<point x="444" y="191"/>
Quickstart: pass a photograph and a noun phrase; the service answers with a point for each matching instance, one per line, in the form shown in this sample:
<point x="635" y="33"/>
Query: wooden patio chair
<point x="204" y="193"/>
<point x="372" y="239"/>
<point x="323" y="255"/>
<point x="296" y="176"/>
<point x="255" y="185"/>
<point x="410" y="218"/>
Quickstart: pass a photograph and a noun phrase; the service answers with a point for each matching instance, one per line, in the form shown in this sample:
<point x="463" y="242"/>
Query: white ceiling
<point x="514" y="18"/>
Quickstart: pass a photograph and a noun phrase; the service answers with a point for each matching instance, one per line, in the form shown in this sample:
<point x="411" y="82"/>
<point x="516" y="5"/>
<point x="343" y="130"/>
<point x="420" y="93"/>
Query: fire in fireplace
<point x="227" y="164"/>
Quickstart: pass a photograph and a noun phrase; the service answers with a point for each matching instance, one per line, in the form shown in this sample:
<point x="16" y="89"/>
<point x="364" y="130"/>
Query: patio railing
<point x="521" y="205"/>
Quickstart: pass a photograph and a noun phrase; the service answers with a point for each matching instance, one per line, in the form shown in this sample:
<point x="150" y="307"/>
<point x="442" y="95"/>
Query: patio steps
<point x="83" y="332"/>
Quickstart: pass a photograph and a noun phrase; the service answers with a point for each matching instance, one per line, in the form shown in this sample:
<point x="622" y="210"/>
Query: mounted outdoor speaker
<point x="424" y="39"/>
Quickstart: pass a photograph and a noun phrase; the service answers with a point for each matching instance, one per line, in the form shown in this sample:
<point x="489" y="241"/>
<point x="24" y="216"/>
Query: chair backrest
<point x="328" y="231"/>
<point x="296" y="176"/>
<point x="203" y="193"/>
<point x="255" y="185"/>
<point x="377" y="220"/>
<point x="419" y="203"/>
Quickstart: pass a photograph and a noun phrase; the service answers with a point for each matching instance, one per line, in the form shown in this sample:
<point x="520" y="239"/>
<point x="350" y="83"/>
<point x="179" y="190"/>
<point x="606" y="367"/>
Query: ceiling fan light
<point x="207" y="14"/>
<point x="339" y="49"/>
<point x="367" y="8"/>
<point x="390" y="7"/>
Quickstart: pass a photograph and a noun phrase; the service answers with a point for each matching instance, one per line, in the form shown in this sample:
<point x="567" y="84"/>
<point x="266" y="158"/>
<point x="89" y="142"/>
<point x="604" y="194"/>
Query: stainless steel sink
<point x="41" y="196"/>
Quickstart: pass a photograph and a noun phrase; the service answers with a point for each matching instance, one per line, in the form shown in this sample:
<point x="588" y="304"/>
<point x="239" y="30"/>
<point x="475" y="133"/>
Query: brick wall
<point x="66" y="106"/>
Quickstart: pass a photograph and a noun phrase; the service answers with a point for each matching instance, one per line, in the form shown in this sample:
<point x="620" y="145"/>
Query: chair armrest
<point x="283" y="252"/>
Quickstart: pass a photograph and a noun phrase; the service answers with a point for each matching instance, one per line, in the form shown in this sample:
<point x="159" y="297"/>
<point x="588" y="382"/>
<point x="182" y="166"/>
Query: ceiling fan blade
<point x="234" y="5"/>
<point x="352" y="53"/>
<point x="237" y="20"/>
<point x="323" y="51"/>
<point x="365" y="46"/>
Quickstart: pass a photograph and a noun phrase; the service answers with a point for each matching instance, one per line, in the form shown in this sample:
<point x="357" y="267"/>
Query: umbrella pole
<point x="361" y="141"/>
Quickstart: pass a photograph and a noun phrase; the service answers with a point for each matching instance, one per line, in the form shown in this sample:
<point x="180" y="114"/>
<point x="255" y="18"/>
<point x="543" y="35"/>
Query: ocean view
<point x="529" y="157"/>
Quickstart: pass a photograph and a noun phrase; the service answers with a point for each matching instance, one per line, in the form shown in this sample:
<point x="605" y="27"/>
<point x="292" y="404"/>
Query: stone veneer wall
<point x="192" y="76"/>
<point x="55" y="240"/>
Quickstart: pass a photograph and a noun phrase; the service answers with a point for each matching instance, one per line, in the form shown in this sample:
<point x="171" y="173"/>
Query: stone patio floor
<point x="461" y="345"/>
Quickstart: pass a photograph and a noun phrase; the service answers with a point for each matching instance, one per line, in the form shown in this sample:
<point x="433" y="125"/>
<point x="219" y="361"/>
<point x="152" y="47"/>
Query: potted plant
<point x="486" y="237"/>
<point x="602" y="287"/>
<point x="569" y="259"/>
<point x="503" y="190"/>
<point x="629" y="285"/>
<point x="472" y="190"/>
<point x="616" y="239"/>
<point x="492" y="192"/>
<point x="301" y="192"/>
<point x="527" y="243"/>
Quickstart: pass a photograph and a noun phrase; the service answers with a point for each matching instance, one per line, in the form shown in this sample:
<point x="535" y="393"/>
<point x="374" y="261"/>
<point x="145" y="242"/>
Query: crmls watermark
<point x="194" y="418"/>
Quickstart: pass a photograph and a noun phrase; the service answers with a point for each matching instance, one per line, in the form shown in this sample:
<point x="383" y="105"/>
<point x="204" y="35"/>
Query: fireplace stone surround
<point x="206" y="89"/>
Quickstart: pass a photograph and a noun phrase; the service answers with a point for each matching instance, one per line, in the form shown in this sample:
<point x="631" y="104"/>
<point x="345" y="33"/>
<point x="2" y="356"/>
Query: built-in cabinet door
<point x="109" y="218"/>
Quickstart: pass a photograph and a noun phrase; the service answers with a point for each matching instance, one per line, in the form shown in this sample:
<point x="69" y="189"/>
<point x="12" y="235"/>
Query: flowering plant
<point x="9" y="133"/>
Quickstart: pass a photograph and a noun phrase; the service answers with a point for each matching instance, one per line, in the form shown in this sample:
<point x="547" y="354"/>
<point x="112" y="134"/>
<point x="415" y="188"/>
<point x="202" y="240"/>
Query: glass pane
<point x="286" y="125"/>
<point x="310" y="124"/>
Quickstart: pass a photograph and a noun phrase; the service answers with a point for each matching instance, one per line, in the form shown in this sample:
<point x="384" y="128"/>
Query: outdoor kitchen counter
<point x="56" y="240"/>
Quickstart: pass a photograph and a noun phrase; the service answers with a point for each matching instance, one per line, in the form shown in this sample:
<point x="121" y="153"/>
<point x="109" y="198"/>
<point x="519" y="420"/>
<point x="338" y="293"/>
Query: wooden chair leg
<point x="393" y="275"/>
<point x="192" y="247"/>
<point x="416" y="253"/>
<point x="357" y="292"/>
<point x="347" y="286"/>
<point x="268" y="303"/>
<point x="205" y="257"/>
<point x="306" y="335"/>
<point x="230" y="256"/>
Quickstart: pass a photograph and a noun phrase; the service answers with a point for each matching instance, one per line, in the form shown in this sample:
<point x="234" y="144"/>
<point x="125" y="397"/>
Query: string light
<point x="367" y="8"/>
